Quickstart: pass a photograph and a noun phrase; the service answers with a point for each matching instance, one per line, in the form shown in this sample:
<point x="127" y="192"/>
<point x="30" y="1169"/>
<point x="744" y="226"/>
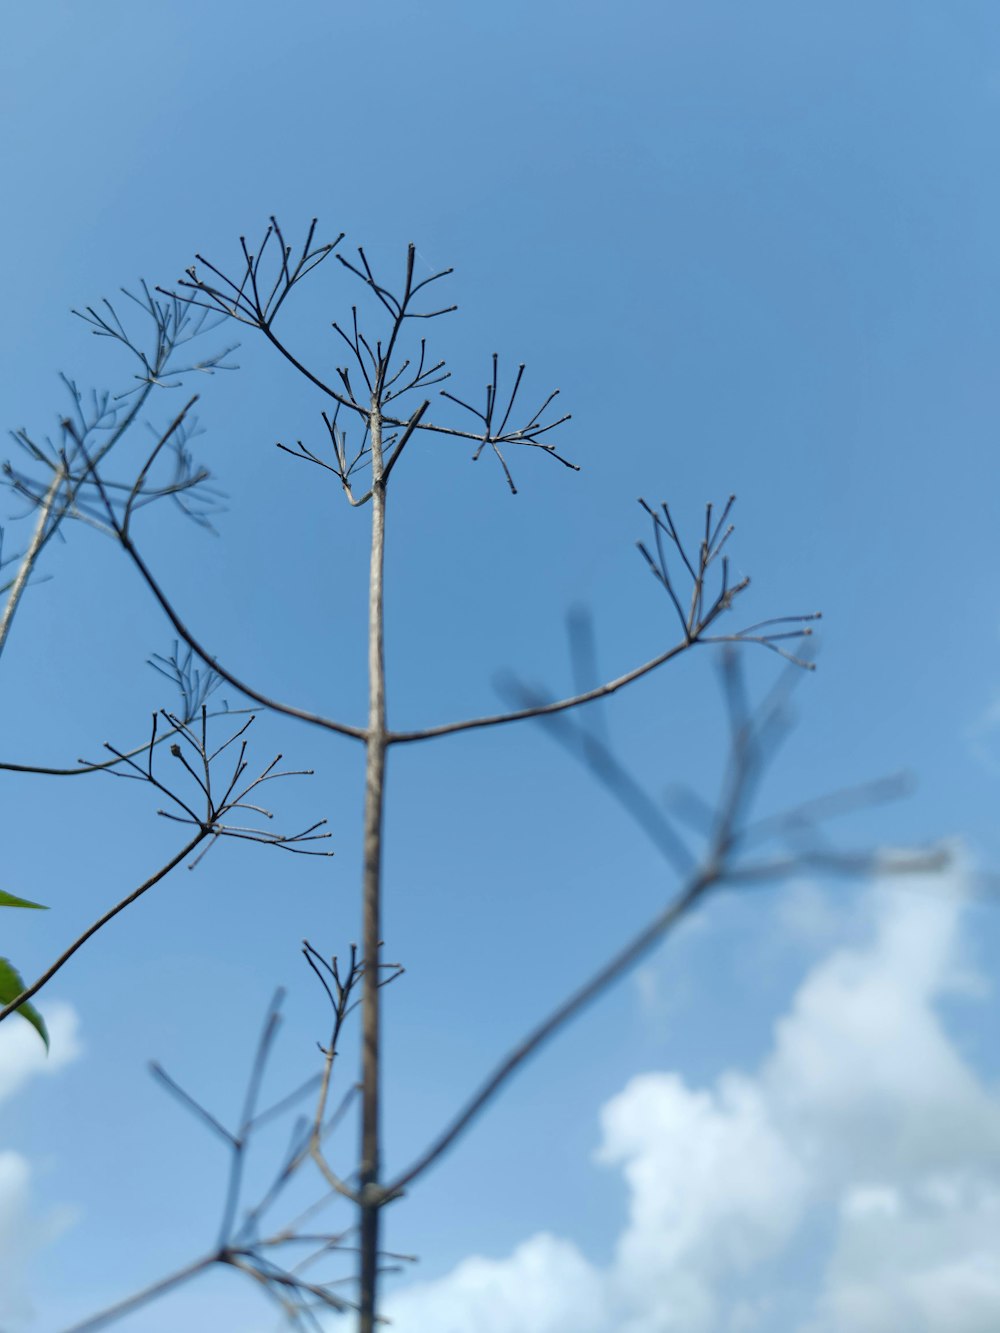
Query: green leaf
<point x="8" y="900"/>
<point x="11" y="986"/>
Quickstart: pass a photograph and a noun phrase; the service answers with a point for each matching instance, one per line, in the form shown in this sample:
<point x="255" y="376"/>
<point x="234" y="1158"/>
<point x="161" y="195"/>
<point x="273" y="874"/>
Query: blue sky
<point x="755" y="247"/>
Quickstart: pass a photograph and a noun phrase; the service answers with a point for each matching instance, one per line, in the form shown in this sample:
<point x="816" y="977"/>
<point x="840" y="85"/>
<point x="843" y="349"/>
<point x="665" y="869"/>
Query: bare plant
<point x="373" y="408"/>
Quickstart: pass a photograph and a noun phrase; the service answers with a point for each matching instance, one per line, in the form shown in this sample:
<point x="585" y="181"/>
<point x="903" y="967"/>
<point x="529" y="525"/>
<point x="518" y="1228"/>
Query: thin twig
<point x="541" y="710"/>
<point x="274" y="705"/>
<point x="102" y="921"/>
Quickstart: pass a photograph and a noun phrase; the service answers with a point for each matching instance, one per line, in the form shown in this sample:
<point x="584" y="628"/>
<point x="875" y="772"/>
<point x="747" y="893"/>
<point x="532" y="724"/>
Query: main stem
<point x="371" y="890"/>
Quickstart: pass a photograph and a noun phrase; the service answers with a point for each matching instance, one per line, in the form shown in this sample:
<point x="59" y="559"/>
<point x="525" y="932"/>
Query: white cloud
<point x="804" y="912"/>
<point x="864" y="1124"/>
<point x="713" y="1190"/>
<point x="23" y="1231"/>
<point x="920" y="1258"/>
<point x="864" y="1078"/>
<point x="22" y="1055"/>
<point x="545" y="1286"/>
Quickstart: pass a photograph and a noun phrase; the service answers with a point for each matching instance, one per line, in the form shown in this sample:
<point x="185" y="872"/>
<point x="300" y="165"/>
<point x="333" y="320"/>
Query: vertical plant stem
<point x="371" y="894"/>
<point x="30" y="556"/>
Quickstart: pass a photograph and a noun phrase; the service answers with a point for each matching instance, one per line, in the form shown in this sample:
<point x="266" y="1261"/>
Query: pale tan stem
<point x="30" y="556"/>
<point x="376" y="746"/>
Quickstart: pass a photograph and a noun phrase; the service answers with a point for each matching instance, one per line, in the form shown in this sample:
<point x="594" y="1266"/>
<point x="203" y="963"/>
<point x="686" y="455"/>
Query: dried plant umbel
<point x="213" y="792"/>
<point x="256" y="294"/>
<point x="217" y="805"/>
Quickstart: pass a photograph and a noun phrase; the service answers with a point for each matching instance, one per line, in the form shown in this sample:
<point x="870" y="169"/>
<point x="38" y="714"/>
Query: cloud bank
<point x="850" y="1185"/>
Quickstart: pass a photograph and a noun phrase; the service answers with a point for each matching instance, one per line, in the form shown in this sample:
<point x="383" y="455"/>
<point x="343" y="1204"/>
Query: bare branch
<point x="621" y="962"/>
<point x="542" y="710"/>
<point x="304" y="715"/>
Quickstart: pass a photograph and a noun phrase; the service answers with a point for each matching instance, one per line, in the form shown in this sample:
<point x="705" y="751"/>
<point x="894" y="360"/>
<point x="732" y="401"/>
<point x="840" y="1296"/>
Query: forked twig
<point x="241" y="1245"/>
<point x="210" y="825"/>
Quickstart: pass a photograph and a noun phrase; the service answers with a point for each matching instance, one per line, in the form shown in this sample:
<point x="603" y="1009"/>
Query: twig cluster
<point x="704" y="609"/>
<point x="56" y="479"/>
<point x="255" y="299"/>
<point x="175" y="324"/>
<point x="218" y="799"/>
<point x="278" y="1257"/>
<point x="530" y="433"/>
<point x="195" y="685"/>
<point x="96" y="422"/>
<point x="213" y="821"/>
<point x="184" y="481"/>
